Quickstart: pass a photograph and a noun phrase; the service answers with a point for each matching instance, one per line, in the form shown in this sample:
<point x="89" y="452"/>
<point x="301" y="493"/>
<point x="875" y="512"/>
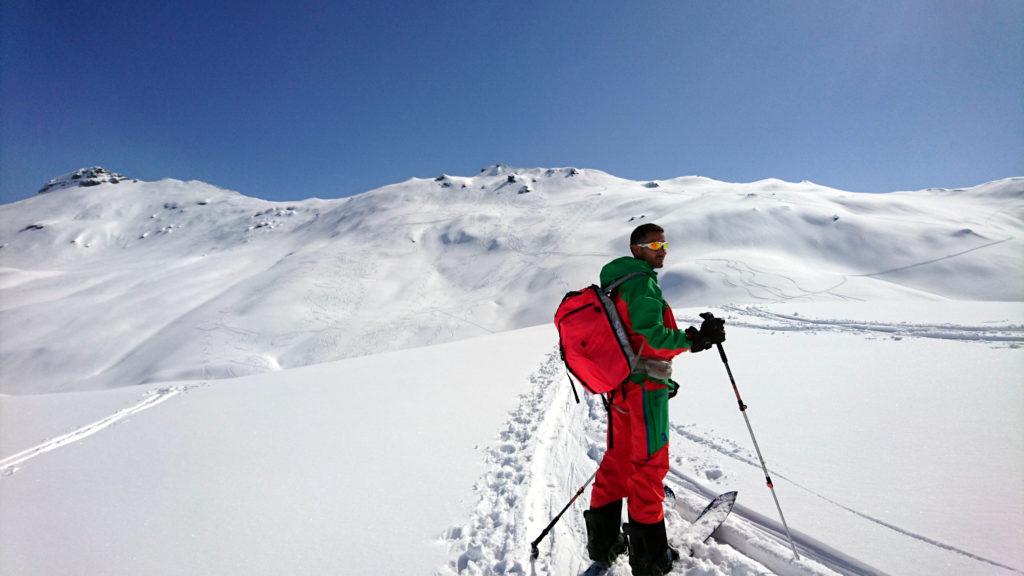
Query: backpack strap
<point x="561" y="350"/>
<point x="619" y="281"/>
<point x="569" y="377"/>
<point x="613" y="317"/>
<point x="611" y="429"/>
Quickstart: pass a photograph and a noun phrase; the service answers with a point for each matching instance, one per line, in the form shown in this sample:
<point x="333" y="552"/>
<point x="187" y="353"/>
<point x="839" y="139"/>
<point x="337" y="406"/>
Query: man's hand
<point x="697" y="342"/>
<point x="712" y="330"/>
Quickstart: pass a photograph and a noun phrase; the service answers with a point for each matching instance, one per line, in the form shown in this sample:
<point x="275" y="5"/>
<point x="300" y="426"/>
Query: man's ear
<point x="635" y="251"/>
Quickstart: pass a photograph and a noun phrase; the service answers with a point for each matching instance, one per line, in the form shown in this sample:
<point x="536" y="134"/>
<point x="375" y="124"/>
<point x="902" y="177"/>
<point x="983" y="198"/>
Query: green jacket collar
<point x="625" y="265"/>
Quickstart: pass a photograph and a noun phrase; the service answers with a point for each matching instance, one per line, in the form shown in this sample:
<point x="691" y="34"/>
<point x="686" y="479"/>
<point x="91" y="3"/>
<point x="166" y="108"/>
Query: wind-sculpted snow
<point x="148" y="272"/>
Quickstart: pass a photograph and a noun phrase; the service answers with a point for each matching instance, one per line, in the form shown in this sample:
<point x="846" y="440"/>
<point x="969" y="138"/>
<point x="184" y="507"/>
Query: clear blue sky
<point x="293" y="100"/>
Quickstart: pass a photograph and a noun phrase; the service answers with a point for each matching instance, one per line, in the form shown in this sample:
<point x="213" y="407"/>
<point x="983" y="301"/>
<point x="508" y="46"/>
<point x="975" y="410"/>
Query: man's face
<point x="656" y="258"/>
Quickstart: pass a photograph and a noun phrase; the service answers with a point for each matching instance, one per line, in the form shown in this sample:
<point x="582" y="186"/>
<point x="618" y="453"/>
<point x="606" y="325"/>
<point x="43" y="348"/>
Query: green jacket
<point x="649" y="320"/>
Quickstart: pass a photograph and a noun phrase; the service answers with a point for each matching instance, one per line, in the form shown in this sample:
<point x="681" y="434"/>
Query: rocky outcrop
<point x="83" y="177"/>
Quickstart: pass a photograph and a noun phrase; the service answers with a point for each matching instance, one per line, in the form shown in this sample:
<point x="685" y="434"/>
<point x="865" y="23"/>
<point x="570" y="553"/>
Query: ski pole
<point x="768" y="478"/>
<point x="534" y="551"/>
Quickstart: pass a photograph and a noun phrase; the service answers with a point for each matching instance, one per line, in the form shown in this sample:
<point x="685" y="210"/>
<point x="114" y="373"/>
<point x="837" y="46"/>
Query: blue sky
<point x="292" y="100"/>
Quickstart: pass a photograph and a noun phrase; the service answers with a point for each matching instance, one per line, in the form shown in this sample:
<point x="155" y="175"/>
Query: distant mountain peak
<point x="92" y="176"/>
<point x="505" y="169"/>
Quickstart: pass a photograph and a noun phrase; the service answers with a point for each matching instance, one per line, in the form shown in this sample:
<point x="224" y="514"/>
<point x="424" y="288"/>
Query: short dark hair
<point x="641" y="232"/>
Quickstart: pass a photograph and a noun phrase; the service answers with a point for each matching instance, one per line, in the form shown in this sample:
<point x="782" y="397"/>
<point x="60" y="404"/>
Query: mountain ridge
<point x="153" y="274"/>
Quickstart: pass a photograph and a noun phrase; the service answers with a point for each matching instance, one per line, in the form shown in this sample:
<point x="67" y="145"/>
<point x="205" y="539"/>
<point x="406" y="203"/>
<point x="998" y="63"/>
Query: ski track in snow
<point x="769" y="286"/>
<point x="755" y="317"/>
<point x="933" y="260"/>
<point x="11" y="464"/>
<point x="729" y="449"/>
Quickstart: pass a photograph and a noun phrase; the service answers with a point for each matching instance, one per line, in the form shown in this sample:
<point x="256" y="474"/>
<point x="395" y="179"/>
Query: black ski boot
<point x="604" y="541"/>
<point x="649" y="552"/>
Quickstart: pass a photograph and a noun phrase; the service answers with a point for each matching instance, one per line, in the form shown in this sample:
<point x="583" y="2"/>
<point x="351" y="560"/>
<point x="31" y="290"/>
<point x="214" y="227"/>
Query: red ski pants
<point x="636" y="462"/>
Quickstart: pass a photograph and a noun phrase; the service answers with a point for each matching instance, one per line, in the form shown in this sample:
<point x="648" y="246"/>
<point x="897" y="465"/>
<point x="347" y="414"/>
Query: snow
<point x="920" y="433"/>
<point x="877" y="464"/>
<point x="355" y="466"/>
<point x="175" y="272"/>
<point x="194" y="381"/>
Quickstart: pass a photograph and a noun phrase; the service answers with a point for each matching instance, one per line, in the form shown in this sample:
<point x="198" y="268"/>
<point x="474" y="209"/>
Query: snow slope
<point x="399" y="463"/>
<point x="353" y="467"/>
<point x="179" y="280"/>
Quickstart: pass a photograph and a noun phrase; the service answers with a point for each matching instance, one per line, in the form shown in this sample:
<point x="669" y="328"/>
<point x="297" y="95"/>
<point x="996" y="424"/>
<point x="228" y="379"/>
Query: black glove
<point x="712" y="330"/>
<point x="697" y="342"/>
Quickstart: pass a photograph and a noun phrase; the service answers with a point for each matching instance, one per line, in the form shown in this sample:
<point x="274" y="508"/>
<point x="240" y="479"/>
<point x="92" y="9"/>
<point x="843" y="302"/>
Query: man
<point x="635" y="464"/>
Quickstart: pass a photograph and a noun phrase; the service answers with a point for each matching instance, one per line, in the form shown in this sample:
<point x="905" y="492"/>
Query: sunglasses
<point x="655" y="245"/>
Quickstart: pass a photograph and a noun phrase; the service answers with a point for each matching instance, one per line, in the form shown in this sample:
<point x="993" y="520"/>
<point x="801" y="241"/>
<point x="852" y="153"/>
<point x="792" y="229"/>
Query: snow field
<point x="869" y="464"/>
<point x="356" y="467"/>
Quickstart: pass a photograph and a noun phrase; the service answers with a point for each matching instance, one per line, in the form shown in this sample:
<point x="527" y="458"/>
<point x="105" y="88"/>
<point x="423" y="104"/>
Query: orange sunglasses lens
<point x="655" y="245"/>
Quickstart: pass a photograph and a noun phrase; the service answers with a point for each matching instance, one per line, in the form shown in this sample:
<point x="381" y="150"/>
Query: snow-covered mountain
<point x="108" y="281"/>
<point x="400" y="407"/>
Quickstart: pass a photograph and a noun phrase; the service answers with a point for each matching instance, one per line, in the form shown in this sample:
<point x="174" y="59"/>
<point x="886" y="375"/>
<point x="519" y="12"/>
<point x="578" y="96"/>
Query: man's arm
<point x="644" y="304"/>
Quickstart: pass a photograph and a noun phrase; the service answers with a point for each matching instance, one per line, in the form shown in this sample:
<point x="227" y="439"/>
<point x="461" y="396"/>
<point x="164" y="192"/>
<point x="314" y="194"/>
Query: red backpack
<point x="593" y="340"/>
